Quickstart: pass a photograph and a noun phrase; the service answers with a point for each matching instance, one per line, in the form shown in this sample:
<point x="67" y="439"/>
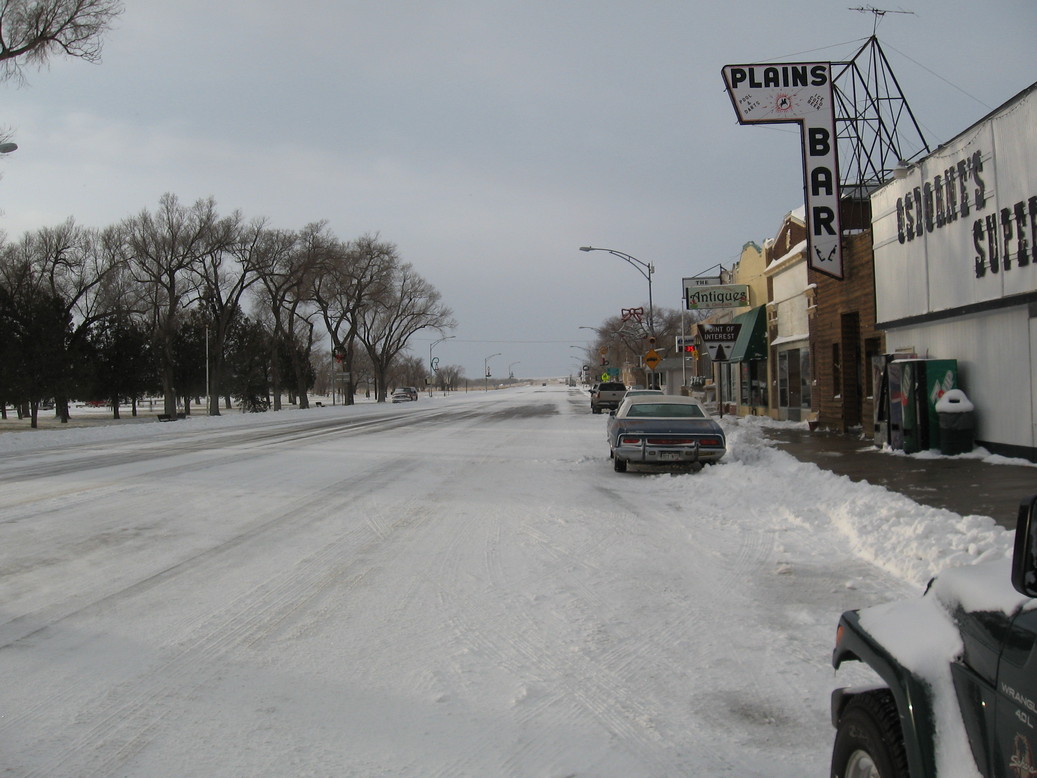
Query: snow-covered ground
<point x="460" y="586"/>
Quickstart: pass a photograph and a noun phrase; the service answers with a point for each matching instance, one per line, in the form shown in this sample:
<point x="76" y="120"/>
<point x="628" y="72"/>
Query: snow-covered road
<point x="456" y="587"/>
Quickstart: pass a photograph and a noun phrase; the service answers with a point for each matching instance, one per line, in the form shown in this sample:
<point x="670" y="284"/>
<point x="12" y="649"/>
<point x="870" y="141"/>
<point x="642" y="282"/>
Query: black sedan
<point x="657" y="430"/>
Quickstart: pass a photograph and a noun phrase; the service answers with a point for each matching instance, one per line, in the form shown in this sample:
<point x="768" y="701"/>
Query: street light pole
<point x="644" y="268"/>
<point x="486" y="371"/>
<point x="431" y="362"/>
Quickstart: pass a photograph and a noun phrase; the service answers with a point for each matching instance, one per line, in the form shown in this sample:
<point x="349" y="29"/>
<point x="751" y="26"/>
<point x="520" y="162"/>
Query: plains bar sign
<point x="800" y="93"/>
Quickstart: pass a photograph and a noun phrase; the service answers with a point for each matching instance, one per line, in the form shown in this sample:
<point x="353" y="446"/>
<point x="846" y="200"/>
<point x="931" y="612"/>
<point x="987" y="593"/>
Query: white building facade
<point x="788" y="321"/>
<point x="955" y="243"/>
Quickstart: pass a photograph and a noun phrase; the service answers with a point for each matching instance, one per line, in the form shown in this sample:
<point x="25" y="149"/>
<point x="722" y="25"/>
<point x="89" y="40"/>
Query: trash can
<point x="957" y="423"/>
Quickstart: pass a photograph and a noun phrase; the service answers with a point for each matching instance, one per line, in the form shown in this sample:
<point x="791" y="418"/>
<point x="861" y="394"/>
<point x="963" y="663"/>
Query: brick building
<point x="844" y="339"/>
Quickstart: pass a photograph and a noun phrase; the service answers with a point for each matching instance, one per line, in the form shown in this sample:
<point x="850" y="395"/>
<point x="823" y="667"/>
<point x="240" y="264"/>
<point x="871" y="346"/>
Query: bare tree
<point x="407" y="370"/>
<point x="32" y="30"/>
<point x="35" y="333"/>
<point x="351" y="277"/>
<point x="163" y="251"/>
<point x="410" y="305"/>
<point x="227" y="269"/>
<point x="449" y="377"/>
<point x="70" y="267"/>
<point x="75" y="267"/>
<point x="287" y="276"/>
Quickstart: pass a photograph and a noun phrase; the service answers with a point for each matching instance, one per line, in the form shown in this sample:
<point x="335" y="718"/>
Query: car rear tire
<point x="619" y="465"/>
<point x="869" y="742"/>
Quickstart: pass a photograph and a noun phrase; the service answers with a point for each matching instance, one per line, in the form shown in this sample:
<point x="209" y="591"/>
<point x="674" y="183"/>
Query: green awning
<point x="751" y="342"/>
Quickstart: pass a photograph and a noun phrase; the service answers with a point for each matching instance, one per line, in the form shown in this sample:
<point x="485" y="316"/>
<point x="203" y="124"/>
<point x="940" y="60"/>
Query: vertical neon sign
<point x="800" y="93"/>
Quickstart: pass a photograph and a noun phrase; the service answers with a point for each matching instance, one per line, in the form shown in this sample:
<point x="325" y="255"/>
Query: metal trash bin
<point x="957" y="423"/>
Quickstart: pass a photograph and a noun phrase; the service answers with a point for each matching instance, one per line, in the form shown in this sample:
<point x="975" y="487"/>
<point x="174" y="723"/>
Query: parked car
<point x="405" y="394"/>
<point x="637" y="390"/>
<point x="607" y="395"/>
<point x="959" y="664"/>
<point x="660" y="429"/>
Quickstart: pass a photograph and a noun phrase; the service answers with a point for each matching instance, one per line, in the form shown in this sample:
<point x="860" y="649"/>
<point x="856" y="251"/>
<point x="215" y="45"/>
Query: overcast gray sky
<point x="487" y="139"/>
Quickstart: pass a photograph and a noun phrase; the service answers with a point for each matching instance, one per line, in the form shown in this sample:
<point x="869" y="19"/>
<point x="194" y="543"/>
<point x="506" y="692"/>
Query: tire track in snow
<point x="556" y="676"/>
<point x="124" y="720"/>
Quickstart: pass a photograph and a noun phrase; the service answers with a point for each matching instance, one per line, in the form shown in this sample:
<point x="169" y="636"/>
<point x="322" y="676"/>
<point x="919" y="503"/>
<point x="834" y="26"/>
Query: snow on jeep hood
<point x="983" y="587"/>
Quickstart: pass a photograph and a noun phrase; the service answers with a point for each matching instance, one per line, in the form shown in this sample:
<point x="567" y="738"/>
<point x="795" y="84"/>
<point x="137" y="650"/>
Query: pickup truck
<point x="959" y="675"/>
<point x="607" y="395"/>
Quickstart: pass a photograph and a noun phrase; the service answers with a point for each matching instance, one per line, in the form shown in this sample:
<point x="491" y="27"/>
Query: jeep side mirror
<point x="1024" y="558"/>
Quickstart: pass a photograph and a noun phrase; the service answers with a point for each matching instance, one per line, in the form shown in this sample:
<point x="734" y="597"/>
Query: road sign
<point x="652" y="359"/>
<point x="719" y="332"/>
<point x="719" y="339"/>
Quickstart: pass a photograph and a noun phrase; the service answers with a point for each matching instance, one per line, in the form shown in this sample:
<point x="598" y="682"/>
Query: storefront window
<point x="754" y="383"/>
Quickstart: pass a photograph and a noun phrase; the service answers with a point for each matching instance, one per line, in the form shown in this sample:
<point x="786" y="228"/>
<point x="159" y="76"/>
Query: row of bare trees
<point x="620" y="342"/>
<point x="240" y="281"/>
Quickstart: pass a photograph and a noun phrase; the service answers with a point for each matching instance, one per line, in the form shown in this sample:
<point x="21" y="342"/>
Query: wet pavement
<point x="964" y="485"/>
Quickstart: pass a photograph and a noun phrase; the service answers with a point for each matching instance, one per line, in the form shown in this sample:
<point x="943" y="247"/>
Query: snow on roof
<point x="798" y="250"/>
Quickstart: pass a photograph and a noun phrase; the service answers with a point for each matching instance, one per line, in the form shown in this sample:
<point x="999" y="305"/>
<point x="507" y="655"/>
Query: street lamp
<point x="486" y="370"/>
<point x="431" y="362"/>
<point x="644" y="268"/>
<point x="511" y="373"/>
<point x="7" y="148"/>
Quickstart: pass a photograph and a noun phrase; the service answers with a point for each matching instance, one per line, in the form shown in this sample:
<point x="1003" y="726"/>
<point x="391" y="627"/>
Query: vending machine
<point x="914" y="387"/>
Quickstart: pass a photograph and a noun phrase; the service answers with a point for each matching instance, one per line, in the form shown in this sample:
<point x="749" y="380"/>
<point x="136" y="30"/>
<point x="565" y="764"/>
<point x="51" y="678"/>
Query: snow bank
<point x="911" y="541"/>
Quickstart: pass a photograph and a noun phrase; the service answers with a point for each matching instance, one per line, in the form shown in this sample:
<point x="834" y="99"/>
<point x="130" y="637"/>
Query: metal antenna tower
<point x="876" y="129"/>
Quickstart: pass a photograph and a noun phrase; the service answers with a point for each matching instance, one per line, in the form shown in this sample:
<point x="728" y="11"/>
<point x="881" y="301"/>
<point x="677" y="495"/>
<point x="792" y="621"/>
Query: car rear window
<point x="665" y="410"/>
<point x="612" y="388"/>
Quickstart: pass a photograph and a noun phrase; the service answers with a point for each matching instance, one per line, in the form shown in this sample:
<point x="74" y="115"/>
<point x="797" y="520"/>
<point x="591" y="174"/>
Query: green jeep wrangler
<point x="959" y="672"/>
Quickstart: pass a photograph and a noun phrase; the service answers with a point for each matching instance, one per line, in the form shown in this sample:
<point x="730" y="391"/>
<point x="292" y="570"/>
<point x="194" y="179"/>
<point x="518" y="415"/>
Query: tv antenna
<point x="879" y="13"/>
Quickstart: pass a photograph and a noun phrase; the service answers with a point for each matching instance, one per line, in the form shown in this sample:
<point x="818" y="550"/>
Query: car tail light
<point x="630" y="441"/>
<point x="674" y="442"/>
<point x="710" y="442"/>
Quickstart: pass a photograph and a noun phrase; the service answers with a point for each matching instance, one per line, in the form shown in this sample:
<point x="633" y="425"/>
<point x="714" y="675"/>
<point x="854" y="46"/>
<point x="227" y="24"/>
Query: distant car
<point x="661" y="429"/>
<point x="405" y="394"/>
